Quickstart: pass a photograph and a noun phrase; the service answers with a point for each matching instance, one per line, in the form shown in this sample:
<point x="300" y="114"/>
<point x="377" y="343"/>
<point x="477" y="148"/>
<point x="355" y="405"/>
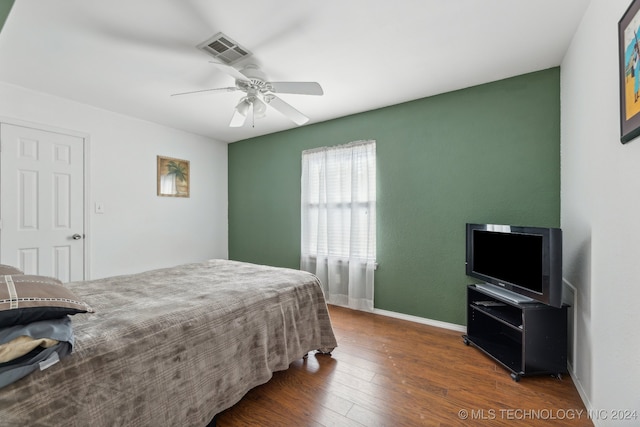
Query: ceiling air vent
<point x="224" y="49"/>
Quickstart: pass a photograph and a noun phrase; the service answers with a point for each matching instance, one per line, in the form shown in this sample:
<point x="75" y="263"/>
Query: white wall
<point x="600" y="217"/>
<point x="139" y="230"/>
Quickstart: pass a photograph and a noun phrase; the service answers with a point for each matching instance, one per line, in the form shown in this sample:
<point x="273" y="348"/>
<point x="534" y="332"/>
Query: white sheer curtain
<point x="339" y="221"/>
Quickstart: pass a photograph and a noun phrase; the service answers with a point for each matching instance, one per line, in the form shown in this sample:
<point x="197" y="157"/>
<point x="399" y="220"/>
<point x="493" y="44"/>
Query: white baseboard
<point x="573" y="360"/>
<point x="583" y="395"/>
<point x="424" y="321"/>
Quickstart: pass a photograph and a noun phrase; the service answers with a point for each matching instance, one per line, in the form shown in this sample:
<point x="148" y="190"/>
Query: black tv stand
<point x="525" y="338"/>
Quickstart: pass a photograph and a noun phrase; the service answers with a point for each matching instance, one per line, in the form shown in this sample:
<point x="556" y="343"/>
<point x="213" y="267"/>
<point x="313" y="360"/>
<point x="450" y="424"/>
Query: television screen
<point x="512" y="257"/>
<point x="523" y="260"/>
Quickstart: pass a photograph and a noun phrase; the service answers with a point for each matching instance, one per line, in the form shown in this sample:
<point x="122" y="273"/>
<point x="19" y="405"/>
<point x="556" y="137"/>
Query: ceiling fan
<point x="260" y="93"/>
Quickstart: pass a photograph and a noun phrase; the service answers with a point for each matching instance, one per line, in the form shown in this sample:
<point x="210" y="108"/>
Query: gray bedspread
<point x="174" y="347"/>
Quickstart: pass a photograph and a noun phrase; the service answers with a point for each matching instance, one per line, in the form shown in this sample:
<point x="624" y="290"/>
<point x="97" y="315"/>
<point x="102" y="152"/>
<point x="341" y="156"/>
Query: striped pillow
<point x="25" y="299"/>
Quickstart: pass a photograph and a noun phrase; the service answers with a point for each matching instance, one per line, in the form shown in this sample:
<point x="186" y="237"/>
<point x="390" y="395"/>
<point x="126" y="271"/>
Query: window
<point x="338" y="207"/>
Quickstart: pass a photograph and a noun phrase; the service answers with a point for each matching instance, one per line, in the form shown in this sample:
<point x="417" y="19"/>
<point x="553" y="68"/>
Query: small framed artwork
<point x="173" y="177"/>
<point x="629" y="65"/>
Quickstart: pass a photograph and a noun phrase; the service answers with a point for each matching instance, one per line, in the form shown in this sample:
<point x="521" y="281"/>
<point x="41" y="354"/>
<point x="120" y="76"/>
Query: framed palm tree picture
<point x="173" y="177"/>
<point x="629" y="66"/>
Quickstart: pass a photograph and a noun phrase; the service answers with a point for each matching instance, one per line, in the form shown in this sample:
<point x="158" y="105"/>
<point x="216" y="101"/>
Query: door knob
<point x="76" y="236"/>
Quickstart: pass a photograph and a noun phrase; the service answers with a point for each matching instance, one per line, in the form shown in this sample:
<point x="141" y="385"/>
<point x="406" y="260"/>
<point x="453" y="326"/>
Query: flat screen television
<point x="524" y="261"/>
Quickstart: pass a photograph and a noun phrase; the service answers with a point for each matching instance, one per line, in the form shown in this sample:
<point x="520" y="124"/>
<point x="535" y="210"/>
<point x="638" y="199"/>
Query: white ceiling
<point x="129" y="56"/>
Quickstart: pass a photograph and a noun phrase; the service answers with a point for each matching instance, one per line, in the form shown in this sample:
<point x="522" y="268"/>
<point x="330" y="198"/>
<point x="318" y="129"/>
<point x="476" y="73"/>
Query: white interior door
<point x="42" y="202"/>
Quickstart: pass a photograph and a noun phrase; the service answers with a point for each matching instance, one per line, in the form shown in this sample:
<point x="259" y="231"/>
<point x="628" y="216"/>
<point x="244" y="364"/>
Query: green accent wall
<point x="486" y="154"/>
<point x="5" y="8"/>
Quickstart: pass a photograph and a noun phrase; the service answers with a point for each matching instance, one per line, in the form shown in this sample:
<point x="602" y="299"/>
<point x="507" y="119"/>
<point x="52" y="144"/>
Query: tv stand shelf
<point x="503" y="313"/>
<point x="527" y="339"/>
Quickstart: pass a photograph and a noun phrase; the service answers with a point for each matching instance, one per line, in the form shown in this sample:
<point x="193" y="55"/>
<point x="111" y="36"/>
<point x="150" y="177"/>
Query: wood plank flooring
<point x="391" y="372"/>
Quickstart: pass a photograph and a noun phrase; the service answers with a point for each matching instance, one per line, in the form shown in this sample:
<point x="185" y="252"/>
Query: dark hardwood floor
<point x="390" y="372"/>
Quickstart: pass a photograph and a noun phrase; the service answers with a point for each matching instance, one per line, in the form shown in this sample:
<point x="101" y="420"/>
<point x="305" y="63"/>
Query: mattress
<point x="174" y="346"/>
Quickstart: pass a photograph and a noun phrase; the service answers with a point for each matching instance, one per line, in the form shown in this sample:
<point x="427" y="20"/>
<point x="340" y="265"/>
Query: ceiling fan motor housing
<point x="256" y="80"/>
<point x="253" y="72"/>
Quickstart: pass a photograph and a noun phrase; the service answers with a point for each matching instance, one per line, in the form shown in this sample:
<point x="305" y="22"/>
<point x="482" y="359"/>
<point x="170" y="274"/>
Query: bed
<point x="174" y="347"/>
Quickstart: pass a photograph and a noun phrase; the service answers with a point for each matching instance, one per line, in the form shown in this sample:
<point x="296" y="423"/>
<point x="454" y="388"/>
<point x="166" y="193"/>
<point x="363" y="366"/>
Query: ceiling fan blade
<point x="301" y="88"/>
<point x="287" y="110"/>
<point x="207" y="91"/>
<point x="230" y="70"/>
<point x="238" y="119"/>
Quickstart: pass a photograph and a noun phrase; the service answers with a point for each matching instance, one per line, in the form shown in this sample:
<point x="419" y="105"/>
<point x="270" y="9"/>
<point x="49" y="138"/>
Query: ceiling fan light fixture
<point x="240" y="113"/>
<point x="247" y="103"/>
<point x="259" y="108"/>
<point x="243" y="106"/>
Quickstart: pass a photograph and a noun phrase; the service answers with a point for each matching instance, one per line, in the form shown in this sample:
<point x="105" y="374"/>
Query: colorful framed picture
<point x="629" y="65"/>
<point x="173" y="177"/>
